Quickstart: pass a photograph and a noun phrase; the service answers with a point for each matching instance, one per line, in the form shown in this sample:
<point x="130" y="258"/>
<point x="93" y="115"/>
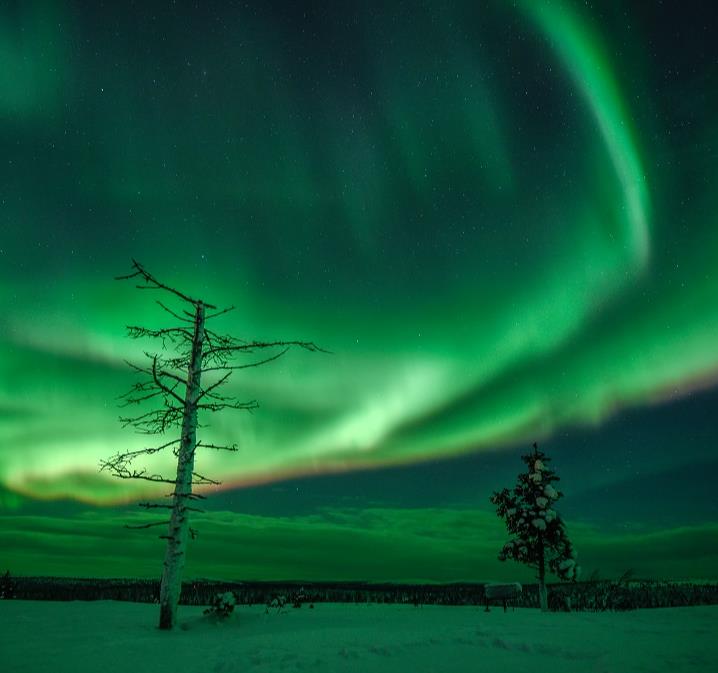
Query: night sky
<point x="500" y="218"/>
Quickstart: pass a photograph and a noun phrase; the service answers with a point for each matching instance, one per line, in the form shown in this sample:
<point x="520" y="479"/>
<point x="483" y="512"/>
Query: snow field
<point x="115" y="637"/>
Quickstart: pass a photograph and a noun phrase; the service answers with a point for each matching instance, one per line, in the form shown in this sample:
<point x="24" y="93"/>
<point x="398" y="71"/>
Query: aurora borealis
<point x="498" y="217"/>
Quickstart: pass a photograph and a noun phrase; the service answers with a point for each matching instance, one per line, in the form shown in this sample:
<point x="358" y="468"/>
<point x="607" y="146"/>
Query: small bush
<point x="222" y="605"/>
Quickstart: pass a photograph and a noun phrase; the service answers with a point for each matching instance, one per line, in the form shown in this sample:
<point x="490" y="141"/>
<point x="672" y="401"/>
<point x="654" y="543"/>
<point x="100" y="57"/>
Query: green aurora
<point x="499" y="218"/>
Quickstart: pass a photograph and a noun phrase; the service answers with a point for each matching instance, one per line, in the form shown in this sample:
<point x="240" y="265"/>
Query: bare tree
<point x="181" y="380"/>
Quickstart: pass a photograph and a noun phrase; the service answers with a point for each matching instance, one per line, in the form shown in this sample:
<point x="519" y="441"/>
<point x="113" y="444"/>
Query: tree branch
<point x="161" y="372"/>
<point x="138" y="332"/>
<point x="171" y="375"/>
<point x="218" y="406"/>
<point x="152" y="505"/>
<point x="218" y="447"/>
<point x="147" y="525"/>
<point x="151" y="283"/>
<point x="218" y="313"/>
<point x="127" y="457"/>
<point x="138" y="388"/>
<point x="155" y="422"/>
<point x="207" y="391"/>
<point x="247" y="366"/>
<point x="124" y="473"/>
<point x="201" y="479"/>
<point x="191" y="496"/>
<point x="162" y="386"/>
<point x="189" y="320"/>
<point x="250" y="346"/>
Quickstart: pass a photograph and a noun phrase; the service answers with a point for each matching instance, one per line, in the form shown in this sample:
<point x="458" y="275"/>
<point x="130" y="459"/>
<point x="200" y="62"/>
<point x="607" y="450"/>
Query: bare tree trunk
<point x="179" y="522"/>
<point x="194" y="351"/>
<point x="543" y="598"/>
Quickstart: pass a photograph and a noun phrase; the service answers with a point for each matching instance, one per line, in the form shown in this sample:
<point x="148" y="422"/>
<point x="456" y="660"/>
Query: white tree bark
<point x="179" y="522"/>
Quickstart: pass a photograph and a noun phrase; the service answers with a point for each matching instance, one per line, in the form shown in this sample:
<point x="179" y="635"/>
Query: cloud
<point x="379" y="544"/>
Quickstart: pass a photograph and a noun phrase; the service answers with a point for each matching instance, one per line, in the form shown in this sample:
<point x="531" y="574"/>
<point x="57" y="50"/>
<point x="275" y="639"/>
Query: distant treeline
<point x="597" y="596"/>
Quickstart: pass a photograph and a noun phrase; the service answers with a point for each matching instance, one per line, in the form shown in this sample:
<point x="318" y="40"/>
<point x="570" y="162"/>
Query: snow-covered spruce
<point x="539" y="534"/>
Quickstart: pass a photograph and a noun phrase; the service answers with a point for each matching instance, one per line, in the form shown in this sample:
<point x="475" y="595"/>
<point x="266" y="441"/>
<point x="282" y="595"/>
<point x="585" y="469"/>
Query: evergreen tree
<point x="539" y="537"/>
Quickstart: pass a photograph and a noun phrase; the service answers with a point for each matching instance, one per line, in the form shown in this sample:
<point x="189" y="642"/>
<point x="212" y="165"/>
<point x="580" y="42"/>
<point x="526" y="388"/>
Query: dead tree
<point x="181" y="380"/>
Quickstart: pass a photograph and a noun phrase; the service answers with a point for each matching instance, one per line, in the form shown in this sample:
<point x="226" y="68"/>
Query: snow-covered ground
<point x="107" y="636"/>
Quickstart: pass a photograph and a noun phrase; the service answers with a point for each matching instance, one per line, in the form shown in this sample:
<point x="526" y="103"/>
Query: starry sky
<point x="499" y="218"/>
